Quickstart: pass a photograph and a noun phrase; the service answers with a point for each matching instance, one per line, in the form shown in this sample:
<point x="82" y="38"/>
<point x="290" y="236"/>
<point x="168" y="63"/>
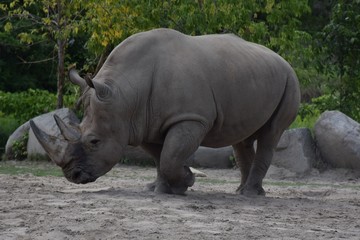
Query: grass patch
<point x="215" y="181"/>
<point x="282" y="184"/>
<point x="313" y="185"/>
<point x="36" y="169"/>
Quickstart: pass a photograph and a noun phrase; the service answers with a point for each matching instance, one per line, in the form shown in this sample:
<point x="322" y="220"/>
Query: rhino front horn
<point x="69" y="133"/>
<point x="53" y="146"/>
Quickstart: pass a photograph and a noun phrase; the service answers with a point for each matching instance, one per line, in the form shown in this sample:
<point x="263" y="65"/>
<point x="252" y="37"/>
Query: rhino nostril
<point x="76" y="174"/>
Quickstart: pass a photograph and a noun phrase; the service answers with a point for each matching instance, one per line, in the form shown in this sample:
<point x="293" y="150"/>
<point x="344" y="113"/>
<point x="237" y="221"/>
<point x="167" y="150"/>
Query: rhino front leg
<point x="181" y="142"/>
<point x="155" y="151"/>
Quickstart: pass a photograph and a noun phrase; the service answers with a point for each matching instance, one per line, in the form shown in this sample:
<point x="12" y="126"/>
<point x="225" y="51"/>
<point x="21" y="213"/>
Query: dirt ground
<point x="318" y="206"/>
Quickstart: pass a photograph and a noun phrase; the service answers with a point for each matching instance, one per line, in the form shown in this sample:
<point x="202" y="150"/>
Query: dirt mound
<point x="318" y="206"/>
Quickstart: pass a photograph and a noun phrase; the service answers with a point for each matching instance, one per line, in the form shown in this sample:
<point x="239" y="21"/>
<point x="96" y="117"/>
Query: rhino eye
<point x="91" y="141"/>
<point x="94" y="141"/>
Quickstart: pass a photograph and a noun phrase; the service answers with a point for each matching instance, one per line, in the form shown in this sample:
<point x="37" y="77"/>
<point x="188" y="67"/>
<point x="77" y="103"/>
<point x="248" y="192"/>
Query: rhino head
<point x="90" y="149"/>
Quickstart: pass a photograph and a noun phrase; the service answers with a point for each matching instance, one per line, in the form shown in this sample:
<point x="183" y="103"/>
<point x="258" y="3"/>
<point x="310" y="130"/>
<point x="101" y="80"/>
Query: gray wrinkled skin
<point x="170" y="93"/>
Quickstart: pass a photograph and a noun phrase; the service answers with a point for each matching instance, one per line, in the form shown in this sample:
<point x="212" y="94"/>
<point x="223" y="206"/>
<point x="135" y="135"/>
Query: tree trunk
<point x="61" y="73"/>
<point x="61" y="43"/>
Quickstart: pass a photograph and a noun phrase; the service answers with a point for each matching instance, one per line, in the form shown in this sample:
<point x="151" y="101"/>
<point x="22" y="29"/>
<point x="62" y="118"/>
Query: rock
<point x="338" y="139"/>
<point x="295" y="151"/>
<point x="47" y="123"/>
<point x="203" y="157"/>
<point x="212" y="157"/>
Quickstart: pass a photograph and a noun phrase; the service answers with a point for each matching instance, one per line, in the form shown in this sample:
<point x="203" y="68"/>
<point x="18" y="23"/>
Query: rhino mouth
<point x="78" y="175"/>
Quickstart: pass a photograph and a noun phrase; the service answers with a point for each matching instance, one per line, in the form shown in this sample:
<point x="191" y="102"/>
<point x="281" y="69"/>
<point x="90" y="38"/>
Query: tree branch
<point x="32" y="62"/>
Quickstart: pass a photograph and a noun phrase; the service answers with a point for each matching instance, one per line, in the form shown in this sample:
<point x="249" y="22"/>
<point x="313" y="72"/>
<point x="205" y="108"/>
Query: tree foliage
<point x="342" y="40"/>
<point x="272" y="23"/>
<point x="84" y="32"/>
<point x="19" y="62"/>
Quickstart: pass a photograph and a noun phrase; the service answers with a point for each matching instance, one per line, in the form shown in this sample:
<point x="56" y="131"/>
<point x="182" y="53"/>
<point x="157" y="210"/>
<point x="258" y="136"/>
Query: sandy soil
<point x="318" y="206"/>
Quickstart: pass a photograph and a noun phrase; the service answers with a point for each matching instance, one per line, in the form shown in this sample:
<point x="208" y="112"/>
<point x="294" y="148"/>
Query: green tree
<point x="271" y="23"/>
<point x="106" y="23"/>
<point x="51" y="20"/>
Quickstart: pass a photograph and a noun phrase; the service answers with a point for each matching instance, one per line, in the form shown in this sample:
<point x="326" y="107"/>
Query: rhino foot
<point x="163" y="187"/>
<point x="151" y="186"/>
<point x="251" y="191"/>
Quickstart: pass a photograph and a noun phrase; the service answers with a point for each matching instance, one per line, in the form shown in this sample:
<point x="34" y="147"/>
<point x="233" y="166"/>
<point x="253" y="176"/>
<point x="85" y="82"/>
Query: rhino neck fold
<point x="135" y="134"/>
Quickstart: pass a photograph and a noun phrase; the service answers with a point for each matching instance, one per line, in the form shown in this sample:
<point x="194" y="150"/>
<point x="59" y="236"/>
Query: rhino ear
<point x="103" y="91"/>
<point x="76" y="79"/>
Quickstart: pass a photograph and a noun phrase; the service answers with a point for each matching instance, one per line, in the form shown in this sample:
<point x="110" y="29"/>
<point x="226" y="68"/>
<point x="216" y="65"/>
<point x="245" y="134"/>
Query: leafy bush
<point x="19" y="148"/>
<point x="26" y="105"/>
<point x="31" y="103"/>
<point x="306" y="122"/>
<point x="7" y="126"/>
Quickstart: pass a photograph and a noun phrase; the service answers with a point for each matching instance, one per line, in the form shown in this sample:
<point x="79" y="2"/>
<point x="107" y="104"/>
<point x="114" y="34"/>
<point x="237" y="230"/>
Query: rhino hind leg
<point x="258" y="169"/>
<point x="244" y="156"/>
<point x="268" y="137"/>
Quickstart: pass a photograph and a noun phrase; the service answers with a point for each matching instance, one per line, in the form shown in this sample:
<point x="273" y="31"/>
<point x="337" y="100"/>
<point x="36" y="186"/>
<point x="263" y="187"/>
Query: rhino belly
<point x="227" y="135"/>
<point x="238" y="121"/>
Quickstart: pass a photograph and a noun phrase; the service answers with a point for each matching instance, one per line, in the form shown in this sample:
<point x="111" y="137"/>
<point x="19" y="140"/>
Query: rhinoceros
<point x="171" y="93"/>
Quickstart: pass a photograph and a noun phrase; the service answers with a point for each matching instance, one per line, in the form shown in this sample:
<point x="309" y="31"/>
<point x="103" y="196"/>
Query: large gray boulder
<point x="204" y="157"/>
<point x="338" y="139"/>
<point x="212" y="157"/>
<point x="47" y="123"/>
<point x="295" y="151"/>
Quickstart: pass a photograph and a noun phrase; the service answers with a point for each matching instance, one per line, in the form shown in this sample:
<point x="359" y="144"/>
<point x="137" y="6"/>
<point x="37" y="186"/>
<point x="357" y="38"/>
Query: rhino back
<point x="230" y="85"/>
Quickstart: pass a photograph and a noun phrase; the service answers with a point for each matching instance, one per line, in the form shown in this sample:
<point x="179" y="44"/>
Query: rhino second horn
<point x="69" y="133"/>
<point x="53" y="146"/>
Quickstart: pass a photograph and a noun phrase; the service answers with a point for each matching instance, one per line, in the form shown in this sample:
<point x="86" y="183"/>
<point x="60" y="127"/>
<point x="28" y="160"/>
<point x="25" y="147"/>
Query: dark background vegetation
<point x="40" y="39"/>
